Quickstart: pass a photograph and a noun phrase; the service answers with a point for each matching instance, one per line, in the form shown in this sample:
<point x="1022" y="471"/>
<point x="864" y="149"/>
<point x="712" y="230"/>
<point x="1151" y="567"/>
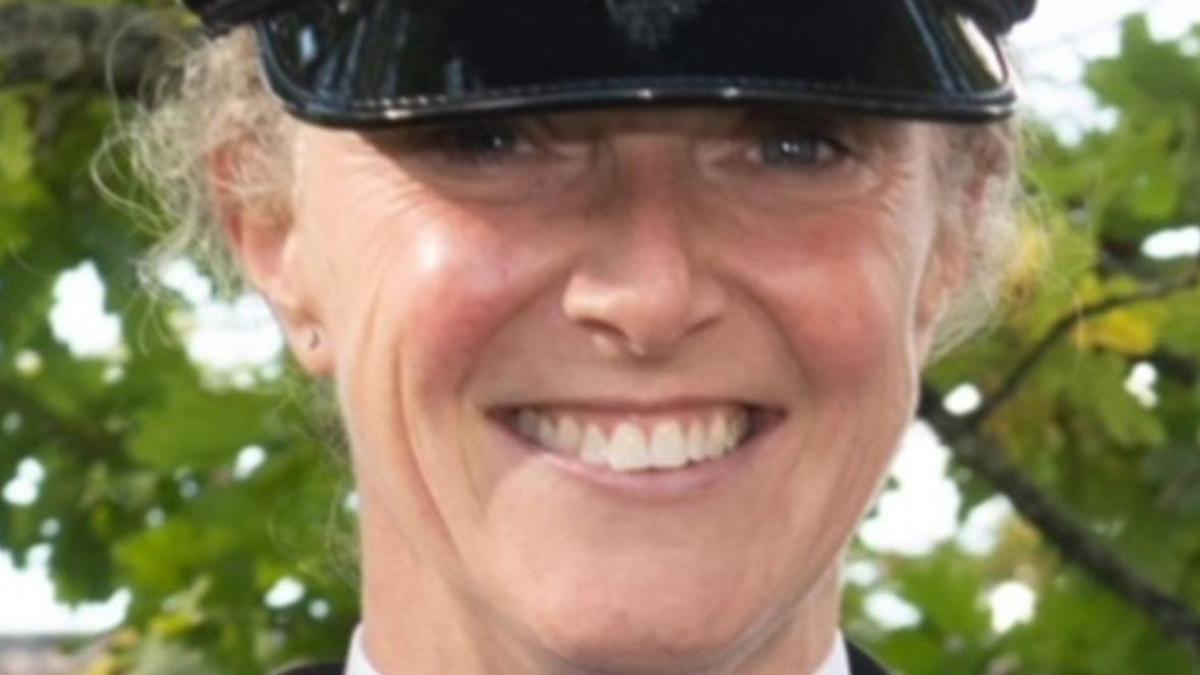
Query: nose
<point x="644" y="286"/>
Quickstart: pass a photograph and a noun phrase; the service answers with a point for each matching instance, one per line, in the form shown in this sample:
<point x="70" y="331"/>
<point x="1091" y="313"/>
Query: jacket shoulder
<point x="861" y="663"/>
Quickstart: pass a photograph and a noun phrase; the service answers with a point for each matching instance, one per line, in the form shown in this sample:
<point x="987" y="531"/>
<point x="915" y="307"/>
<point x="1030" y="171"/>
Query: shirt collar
<point x="837" y="663"/>
<point x="358" y="664"/>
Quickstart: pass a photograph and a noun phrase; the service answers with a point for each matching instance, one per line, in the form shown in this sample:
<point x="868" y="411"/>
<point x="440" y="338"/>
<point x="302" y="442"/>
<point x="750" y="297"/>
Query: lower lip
<point x="655" y="485"/>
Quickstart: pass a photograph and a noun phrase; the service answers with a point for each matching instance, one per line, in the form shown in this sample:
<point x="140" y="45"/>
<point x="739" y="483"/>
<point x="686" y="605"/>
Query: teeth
<point x="718" y="436"/>
<point x="667" y="448"/>
<point x="595" y="447"/>
<point x="668" y="444"/>
<point x="627" y="450"/>
<point x="547" y="435"/>
<point x="527" y="424"/>
<point x="570" y="434"/>
<point x="696" y="442"/>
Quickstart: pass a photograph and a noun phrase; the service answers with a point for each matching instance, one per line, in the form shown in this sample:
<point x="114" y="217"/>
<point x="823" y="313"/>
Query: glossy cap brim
<point x="367" y="62"/>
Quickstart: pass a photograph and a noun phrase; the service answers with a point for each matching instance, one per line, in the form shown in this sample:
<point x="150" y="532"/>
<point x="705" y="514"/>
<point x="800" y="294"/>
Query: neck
<point x="417" y="622"/>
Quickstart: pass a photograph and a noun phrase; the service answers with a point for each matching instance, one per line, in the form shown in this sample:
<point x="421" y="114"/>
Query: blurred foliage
<point x="139" y="446"/>
<point x="1125" y="467"/>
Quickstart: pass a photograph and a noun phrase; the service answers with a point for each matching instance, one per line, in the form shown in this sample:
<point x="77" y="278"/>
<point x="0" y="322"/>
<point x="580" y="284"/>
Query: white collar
<point x="837" y="663"/>
<point x="358" y="664"/>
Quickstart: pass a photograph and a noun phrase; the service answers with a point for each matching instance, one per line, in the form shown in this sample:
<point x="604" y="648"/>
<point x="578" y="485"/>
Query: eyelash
<point x="820" y="150"/>
<point x="495" y="143"/>
<point x="477" y="144"/>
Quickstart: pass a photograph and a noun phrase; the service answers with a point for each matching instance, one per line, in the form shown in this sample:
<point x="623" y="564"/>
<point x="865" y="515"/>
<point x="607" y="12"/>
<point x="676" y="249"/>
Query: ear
<point x="935" y="296"/>
<point x="949" y="268"/>
<point x="265" y="242"/>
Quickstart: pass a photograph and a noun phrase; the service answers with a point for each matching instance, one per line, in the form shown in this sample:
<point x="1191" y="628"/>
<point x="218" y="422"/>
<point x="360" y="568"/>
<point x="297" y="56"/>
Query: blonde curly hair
<point x="217" y="100"/>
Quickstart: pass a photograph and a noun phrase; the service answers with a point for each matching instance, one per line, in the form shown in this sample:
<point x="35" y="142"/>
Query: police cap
<point x="355" y="63"/>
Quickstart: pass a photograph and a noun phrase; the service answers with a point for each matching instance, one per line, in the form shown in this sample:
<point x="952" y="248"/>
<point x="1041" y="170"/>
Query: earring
<point x="314" y="339"/>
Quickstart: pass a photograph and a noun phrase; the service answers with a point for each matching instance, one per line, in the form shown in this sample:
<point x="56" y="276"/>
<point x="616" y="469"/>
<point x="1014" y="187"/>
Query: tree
<point x="140" y="445"/>
<point x="1102" y="479"/>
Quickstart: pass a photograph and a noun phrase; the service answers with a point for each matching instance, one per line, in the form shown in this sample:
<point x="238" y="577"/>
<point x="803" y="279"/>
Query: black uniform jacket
<point x="860" y="664"/>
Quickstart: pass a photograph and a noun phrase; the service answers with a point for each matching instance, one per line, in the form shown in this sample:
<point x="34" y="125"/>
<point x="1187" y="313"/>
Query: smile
<point x="638" y="441"/>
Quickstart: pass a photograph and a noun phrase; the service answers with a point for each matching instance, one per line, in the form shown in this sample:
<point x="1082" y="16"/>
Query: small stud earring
<point x="314" y="339"/>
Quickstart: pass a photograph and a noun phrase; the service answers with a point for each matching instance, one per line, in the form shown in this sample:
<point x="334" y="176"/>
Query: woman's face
<point x="619" y="383"/>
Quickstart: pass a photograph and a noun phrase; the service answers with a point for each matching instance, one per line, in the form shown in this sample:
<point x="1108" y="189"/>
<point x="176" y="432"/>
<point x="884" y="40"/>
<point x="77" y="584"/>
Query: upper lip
<point x="762" y="415"/>
<point x="635" y="405"/>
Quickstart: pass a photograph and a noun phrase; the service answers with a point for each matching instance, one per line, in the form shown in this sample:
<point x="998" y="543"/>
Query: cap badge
<point x="649" y="23"/>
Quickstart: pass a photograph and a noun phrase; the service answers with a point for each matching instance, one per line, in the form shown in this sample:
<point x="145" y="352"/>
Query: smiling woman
<point x="623" y="340"/>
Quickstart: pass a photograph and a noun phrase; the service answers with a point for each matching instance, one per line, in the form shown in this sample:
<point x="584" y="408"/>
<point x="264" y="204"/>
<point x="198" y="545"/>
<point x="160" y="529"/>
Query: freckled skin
<point x="650" y="262"/>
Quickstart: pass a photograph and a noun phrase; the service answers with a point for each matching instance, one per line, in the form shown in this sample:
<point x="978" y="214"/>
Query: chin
<point x="625" y="643"/>
<point x="628" y="628"/>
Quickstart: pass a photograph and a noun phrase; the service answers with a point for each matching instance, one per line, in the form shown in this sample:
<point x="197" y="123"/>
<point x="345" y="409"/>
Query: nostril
<point x="644" y="314"/>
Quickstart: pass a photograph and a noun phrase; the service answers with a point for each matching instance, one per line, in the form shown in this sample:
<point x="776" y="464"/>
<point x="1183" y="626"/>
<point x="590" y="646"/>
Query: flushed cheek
<point x="439" y="279"/>
<point x="417" y="291"/>
<point x="414" y="326"/>
<point x="847" y="327"/>
<point x="460" y="290"/>
<point x="841" y="322"/>
<point x="449" y="293"/>
<point x="839" y="286"/>
<point x="846" y="334"/>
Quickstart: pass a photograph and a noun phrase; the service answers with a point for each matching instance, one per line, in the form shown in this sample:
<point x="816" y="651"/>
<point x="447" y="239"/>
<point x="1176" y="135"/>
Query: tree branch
<point x="48" y="424"/>
<point x="1073" y="540"/>
<point x="962" y="427"/>
<point x="82" y="47"/>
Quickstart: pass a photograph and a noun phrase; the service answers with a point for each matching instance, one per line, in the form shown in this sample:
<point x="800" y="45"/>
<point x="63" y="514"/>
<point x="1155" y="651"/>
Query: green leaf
<point x="16" y="139"/>
<point x="199" y="429"/>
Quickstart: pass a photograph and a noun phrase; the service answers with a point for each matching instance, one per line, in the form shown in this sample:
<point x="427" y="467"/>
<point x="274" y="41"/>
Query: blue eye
<point x="479" y="142"/>
<point x="797" y="150"/>
<point x="471" y="143"/>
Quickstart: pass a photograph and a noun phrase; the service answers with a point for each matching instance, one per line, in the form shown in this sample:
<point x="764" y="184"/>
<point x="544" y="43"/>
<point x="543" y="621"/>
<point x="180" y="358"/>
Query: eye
<point x="797" y="150"/>
<point x="481" y="143"/>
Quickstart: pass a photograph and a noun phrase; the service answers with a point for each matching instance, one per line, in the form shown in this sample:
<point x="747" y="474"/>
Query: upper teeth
<point x="633" y="446"/>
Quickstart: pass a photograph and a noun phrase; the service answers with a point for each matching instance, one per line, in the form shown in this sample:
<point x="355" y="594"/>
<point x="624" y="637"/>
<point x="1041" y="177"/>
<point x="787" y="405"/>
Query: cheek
<point x="459" y="287"/>
<point x="392" y="259"/>
<point x="846" y="328"/>
<point x="422" y="292"/>
<point x="442" y="291"/>
<point x="402" y="273"/>
<point x="843" y="300"/>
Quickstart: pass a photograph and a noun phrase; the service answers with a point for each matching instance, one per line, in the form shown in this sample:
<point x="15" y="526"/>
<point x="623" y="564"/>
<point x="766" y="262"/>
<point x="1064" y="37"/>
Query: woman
<point x="625" y="303"/>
